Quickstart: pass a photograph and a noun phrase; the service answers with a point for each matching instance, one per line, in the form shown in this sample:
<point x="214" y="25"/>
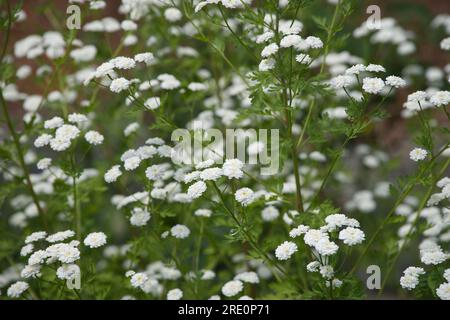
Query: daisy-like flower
<point x="290" y="41"/>
<point x="119" y="85"/>
<point x="60" y="236"/>
<point x="418" y="154"/>
<point x="17" y="288"/>
<point x="266" y="64"/>
<point x="373" y="85"/>
<point x="340" y="82"/>
<point x="211" y="174"/>
<point x="196" y="190"/>
<point x="232" y="168"/>
<point x="270" y="213"/>
<point x="440" y="98"/>
<point x="232" y="288"/>
<point x="375" y="68"/>
<point x="180" y="231"/>
<point x="36" y="236"/>
<point x="94" y="138"/>
<point x="138" y="279"/>
<point x="395" y="82"/>
<point x="113" y="174"/>
<point x="351" y="236"/>
<point x="139" y="217"/>
<point x="269" y="50"/>
<point x="174" y="294"/>
<point x="443" y="291"/>
<point x="95" y="240"/>
<point x="326" y="247"/>
<point x="285" y="250"/>
<point x="44" y="163"/>
<point x="303" y="58"/>
<point x="244" y="196"/>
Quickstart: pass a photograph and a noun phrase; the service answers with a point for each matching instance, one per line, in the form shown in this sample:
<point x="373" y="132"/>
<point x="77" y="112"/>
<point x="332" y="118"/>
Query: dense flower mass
<point x="223" y="149"/>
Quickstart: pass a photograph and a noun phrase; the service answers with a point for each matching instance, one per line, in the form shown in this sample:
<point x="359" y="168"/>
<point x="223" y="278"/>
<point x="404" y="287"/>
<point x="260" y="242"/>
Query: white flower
<point x="418" y="96"/>
<point x="285" y="250"/>
<point x="303" y="58"/>
<point x="37" y="257"/>
<point x="373" y="85"/>
<point x="314" y="42"/>
<point x="146" y="57"/>
<point x="59" y="144"/>
<point x="375" y="68"/>
<point x="313" y="236"/>
<point x="232" y="168"/>
<point x="418" y="154"/>
<point x="244" y="196"/>
<point x="128" y="25"/>
<point x="447" y="274"/>
<point x="132" y="163"/>
<point x="16" y="289"/>
<point x="232" y="288"/>
<point x="290" y="41"/>
<point x="138" y="279"/>
<point x="139" y="217"/>
<point x="26" y="250"/>
<point x="443" y="291"/>
<point x="326" y="247"/>
<point x="123" y="63"/>
<point x="270" y="213"/>
<point x="433" y="256"/>
<point x="68" y="271"/>
<point x="174" y="294"/>
<point x="172" y="14"/>
<point x="44" y="163"/>
<point x="266" y="65"/>
<point x="77" y="118"/>
<point x="196" y="190"/>
<point x="356" y="69"/>
<point x="95" y="240"/>
<point x="104" y="69"/>
<point x="204" y="164"/>
<point x="31" y="271"/>
<point x="36" y="236"/>
<point x="60" y="236"/>
<point x="327" y="272"/>
<point x="269" y="50"/>
<point x="440" y="98"/>
<point x="445" y="44"/>
<point x="203" y="213"/>
<point x="67" y="132"/>
<point x="395" y="82"/>
<point x="250" y="277"/>
<point x="211" y="174"/>
<point x="42" y="140"/>
<point x="409" y="281"/>
<point x="313" y="266"/>
<point x="155" y="172"/>
<point x="153" y="103"/>
<point x="180" y="231"/>
<point x="340" y="82"/>
<point x="93" y="137"/>
<point x="296" y="232"/>
<point x="112" y="174"/>
<point x="119" y="84"/>
<point x="53" y="123"/>
<point x="336" y="220"/>
<point x="191" y="176"/>
<point x="66" y="253"/>
<point x="351" y="236"/>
